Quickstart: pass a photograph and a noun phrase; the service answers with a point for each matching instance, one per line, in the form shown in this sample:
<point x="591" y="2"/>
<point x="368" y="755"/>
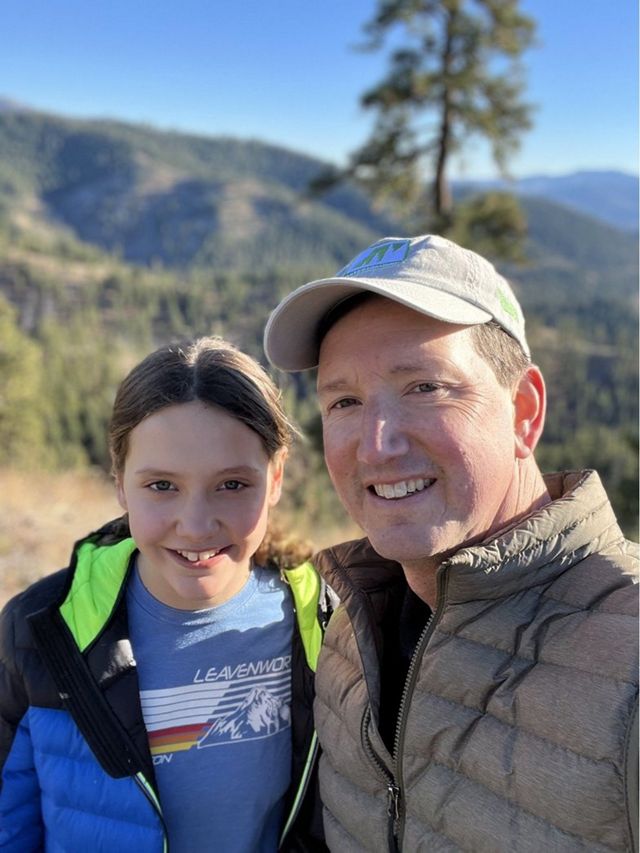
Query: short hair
<point x="503" y="354"/>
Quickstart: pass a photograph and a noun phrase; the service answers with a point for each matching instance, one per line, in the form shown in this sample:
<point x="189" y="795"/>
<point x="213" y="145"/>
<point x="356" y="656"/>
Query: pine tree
<point x="455" y="75"/>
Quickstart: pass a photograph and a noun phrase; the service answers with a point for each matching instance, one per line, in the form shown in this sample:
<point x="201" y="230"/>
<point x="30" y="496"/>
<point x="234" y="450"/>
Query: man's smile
<point x="402" y="488"/>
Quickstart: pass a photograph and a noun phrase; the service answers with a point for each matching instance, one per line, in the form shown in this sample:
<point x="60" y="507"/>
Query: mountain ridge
<point x="166" y="200"/>
<point x="54" y="155"/>
<point x="607" y="195"/>
<point x="138" y="192"/>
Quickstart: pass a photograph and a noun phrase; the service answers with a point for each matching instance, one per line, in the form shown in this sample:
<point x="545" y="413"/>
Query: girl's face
<point x="198" y="486"/>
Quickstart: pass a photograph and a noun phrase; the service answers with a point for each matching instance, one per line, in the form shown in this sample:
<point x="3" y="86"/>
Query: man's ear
<point x="530" y="403"/>
<point x="277" y="474"/>
<point x="122" y="500"/>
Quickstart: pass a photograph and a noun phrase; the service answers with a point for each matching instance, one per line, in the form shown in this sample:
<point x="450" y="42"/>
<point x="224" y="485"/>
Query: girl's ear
<point x="122" y="500"/>
<point x="530" y="402"/>
<point x="276" y="466"/>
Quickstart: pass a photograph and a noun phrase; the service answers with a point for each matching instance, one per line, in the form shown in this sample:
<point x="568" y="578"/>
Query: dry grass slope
<point x="41" y="516"/>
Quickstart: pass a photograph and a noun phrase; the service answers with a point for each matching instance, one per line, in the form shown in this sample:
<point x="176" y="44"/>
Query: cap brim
<point x="290" y="336"/>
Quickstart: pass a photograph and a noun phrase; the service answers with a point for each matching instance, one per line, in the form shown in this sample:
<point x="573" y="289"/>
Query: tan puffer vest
<point x="520" y="712"/>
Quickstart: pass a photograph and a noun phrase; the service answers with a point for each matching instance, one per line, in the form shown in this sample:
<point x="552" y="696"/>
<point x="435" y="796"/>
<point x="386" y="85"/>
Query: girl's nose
<point x="196" y="520"/>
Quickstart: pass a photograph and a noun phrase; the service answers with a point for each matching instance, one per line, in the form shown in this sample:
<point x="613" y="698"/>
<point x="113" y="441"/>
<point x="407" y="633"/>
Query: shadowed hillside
<point x="163" y="198"/>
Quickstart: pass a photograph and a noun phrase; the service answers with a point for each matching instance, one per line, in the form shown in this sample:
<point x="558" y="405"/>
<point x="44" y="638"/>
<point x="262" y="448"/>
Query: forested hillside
<point x="175" y="200"/>
<point x="115" y="238"/>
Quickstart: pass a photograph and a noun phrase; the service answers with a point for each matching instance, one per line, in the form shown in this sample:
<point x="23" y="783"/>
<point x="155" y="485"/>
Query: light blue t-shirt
<point x="215" y="688"/>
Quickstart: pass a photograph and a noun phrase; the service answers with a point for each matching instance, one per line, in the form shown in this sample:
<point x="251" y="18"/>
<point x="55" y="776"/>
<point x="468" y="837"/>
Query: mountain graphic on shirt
<point x="261" y="714"/>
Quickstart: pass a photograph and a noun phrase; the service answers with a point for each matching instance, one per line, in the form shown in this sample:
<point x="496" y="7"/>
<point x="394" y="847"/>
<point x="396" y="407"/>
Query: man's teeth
<point x="401" y="489"/>
<point x="197" y="556"/>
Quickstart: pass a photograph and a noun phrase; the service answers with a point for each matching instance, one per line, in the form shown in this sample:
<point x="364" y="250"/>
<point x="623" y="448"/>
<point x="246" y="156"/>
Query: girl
<point x="156" y="693"/>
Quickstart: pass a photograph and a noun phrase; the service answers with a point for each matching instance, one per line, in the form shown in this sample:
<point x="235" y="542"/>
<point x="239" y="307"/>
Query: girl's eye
<point x="161" y="486"/>
<point x="232" y="485"/>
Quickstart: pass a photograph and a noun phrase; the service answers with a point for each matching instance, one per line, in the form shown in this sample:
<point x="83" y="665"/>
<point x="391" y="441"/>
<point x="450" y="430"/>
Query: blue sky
<point x="287" y="72"/>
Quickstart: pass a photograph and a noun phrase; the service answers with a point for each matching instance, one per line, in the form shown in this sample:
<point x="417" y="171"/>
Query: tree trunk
<point x="443" y="202"/>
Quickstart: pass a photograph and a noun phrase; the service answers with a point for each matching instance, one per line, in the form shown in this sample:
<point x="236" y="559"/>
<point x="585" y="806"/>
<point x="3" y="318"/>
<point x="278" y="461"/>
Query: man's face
<point x="419" y="435"/>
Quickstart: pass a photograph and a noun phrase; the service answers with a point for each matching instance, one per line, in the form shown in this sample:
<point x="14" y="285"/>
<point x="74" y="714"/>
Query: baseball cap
<point x="428" y="273"/>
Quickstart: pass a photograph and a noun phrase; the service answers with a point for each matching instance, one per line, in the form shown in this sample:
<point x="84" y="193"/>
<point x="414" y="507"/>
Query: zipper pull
<point x="393" y="809"/>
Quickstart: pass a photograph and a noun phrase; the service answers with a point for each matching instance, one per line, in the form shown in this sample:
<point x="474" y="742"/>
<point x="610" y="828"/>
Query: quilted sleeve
<point x="13" y="696"/>
<point x="21" y="828"/>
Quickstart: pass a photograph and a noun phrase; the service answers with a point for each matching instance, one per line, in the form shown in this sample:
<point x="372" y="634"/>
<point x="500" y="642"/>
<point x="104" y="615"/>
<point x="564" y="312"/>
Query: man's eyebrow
<point x="332" y="386"/>
<point x="410" y="367"/>
<point x="341" y="384"/>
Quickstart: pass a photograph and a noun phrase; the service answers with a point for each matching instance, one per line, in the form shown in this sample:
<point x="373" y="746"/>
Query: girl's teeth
<point x="197" y="556"/>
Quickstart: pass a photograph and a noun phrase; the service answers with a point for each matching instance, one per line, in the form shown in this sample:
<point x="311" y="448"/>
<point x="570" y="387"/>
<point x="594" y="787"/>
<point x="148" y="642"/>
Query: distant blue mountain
<point x="8" y="105"/>
<point x="609" y="196"/>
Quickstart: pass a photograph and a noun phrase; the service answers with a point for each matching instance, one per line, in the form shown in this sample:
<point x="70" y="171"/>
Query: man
<point x="478" y="685"/>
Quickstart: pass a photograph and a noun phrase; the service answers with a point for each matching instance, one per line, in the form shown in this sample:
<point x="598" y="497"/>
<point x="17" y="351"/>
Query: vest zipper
<point x="409" y="685"/>
<point x="393" y="791"/>
<point x="393" y="810"/>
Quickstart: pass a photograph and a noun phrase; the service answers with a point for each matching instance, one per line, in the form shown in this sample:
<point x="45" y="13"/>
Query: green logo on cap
<point x="378" y="255"/>
<point x="507" y="305"/>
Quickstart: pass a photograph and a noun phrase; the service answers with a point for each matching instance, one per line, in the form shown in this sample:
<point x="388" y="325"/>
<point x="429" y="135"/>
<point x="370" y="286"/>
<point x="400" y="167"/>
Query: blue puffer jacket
<point x="76" y="768"/>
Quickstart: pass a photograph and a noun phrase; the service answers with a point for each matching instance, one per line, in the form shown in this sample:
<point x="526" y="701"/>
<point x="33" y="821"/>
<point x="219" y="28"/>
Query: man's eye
<point x="344" y="403"/>
<point x="425" y="387"/>
<point x="161" y="486"/>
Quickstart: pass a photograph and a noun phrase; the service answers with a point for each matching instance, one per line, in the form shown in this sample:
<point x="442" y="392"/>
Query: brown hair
<point x="212" y="371"/>
<point x="503" y="354"/>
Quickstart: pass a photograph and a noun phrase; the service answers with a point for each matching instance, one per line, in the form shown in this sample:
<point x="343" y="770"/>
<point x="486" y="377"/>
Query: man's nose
<point x="382" y="437"/>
